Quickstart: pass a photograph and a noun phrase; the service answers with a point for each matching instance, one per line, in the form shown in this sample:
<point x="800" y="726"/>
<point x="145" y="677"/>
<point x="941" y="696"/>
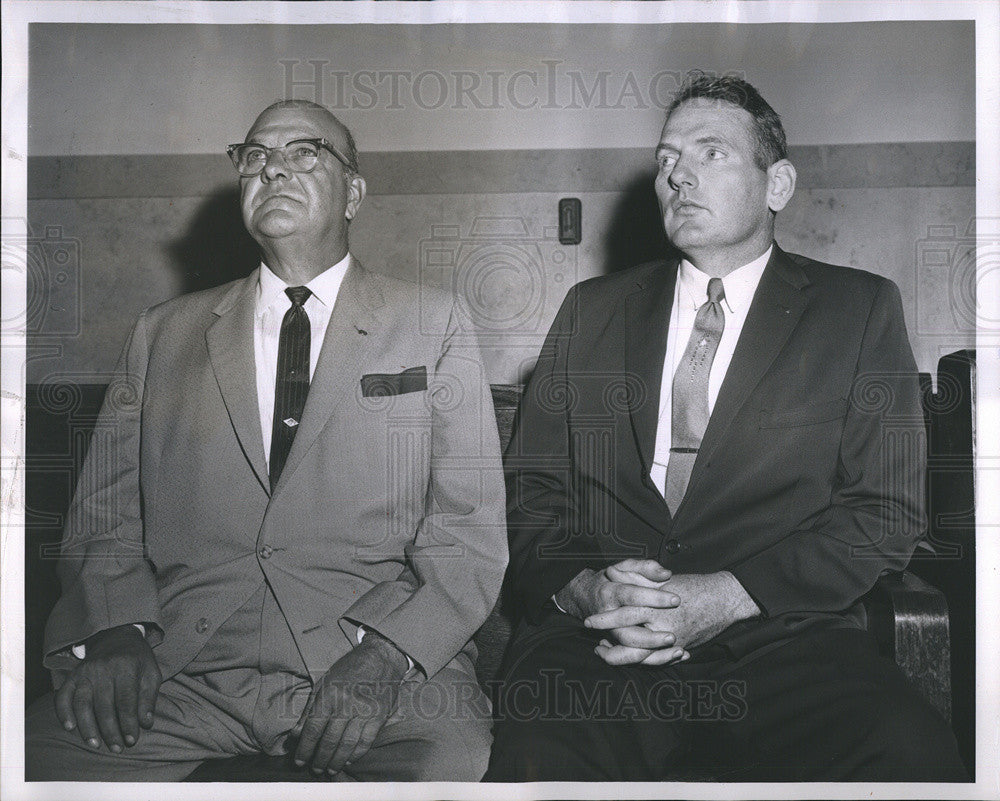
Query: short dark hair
<point x="767" y="133"/>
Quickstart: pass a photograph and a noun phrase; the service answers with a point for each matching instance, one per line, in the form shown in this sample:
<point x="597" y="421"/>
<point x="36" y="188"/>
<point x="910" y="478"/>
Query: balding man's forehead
<point x="310" y="121"/>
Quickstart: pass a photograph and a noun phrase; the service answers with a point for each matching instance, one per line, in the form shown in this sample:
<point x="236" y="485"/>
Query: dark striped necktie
<point x="689" y="404"/>
<point x="291" y="386"/>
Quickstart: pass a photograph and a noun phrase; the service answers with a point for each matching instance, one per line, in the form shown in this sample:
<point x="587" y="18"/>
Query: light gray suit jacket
<point x="389" y="511"/>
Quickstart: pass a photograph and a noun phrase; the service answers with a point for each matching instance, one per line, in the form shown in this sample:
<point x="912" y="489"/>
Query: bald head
<point x="300" y="217"/>
<point x="326" y="123"/>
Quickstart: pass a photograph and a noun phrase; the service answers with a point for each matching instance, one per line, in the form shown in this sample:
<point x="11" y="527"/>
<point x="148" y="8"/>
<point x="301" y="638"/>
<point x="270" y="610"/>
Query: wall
<point x="484" y="224"/>
<point x="135" y="89"/>
<point x="122" y="184"/>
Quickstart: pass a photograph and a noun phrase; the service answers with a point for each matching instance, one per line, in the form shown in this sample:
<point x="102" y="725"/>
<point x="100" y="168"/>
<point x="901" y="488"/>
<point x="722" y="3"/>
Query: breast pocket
<point x="807" y="415"/>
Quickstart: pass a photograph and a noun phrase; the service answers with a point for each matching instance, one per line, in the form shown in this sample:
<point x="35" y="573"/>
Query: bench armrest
<point x="909" y="619"/>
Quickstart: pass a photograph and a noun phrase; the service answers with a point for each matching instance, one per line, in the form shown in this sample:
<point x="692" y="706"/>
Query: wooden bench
<point x="908" y="616"/>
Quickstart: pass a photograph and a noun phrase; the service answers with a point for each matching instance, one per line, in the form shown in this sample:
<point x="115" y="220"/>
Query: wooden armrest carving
<point x="909" y="619"/>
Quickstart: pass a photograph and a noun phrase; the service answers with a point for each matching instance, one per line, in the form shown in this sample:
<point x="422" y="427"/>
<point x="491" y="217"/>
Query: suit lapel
<point x="353" y="325"/>
<point x="774" y="312"/>
<point x="647" y="319"/>
<point x="231" y="352"/>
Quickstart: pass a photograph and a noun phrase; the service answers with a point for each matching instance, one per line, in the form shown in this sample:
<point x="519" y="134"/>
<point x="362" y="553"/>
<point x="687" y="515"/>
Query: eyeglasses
<point x="301" y="155"/>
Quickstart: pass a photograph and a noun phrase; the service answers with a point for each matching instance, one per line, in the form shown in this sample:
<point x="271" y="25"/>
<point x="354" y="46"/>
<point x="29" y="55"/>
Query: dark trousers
<point x="819" y="706"/>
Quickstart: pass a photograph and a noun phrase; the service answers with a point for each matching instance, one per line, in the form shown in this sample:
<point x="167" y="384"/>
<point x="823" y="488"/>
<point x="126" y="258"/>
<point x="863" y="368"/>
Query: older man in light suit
<point x="296" y="525"/>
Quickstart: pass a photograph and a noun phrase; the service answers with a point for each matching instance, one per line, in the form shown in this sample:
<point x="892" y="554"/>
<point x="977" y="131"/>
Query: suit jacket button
<point x="673" y="546"/>
<point x="265" y="551"/>
<point x="201" y="626"/>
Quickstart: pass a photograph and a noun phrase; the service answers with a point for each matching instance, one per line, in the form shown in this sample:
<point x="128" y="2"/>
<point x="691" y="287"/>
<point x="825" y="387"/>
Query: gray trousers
<point x="227" y="703"/>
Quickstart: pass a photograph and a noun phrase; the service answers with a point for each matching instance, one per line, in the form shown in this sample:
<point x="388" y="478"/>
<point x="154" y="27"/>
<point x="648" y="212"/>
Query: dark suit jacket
<point x="388" y="513"/>
<point x="810" y="478"/>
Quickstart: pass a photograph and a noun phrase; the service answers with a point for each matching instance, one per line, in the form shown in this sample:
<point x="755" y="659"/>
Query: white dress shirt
<point x="269" y="310"/>
<point x="690" y="292"/>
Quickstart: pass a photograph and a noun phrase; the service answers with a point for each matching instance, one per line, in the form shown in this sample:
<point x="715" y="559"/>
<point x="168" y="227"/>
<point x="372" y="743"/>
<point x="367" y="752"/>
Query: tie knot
<point x="716" y="292"/>
<point x="300" y="294"/>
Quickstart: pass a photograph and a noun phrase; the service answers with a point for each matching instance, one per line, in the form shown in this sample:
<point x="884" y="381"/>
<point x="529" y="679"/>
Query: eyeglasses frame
<point x="324" y="143"/>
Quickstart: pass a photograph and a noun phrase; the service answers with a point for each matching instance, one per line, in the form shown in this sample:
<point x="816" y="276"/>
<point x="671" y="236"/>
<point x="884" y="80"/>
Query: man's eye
<point x="666" y="161"/>
<point x="303" y="152"/>
<point x="253" y="155"/>
<point x="713" y="153"/>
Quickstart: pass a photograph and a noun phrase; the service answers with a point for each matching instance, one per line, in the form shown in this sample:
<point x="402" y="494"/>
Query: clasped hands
<point x="653" y="616"/>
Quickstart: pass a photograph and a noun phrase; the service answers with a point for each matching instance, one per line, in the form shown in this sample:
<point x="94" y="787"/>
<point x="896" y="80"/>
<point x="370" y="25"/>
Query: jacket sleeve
<point x="876" y="513"/>
<point x="456" y="561"/>
<point x="106" y="579"/>
<point x="541" y="485"/>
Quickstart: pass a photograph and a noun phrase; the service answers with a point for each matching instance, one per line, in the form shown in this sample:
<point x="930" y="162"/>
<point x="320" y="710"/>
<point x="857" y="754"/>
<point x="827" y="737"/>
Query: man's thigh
<point x="439" y="732"/>
<point x="187" y="729"/>
<point x="824" y="706"/>
<point x="563" y="714"/>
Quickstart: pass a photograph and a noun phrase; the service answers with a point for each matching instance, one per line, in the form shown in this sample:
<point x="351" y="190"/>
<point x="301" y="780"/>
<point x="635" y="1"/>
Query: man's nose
<point x="682" y="176"/>
<point x="275" y="166"/>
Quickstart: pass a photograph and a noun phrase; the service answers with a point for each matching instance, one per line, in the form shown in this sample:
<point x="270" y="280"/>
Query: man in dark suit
<point x="714" y="459"/>
<point x="290" y="523"/>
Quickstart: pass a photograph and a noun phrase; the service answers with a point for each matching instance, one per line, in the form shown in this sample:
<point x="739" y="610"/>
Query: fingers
<point x="612" y="596"/>
<point x="127" y="703"/>
<point x="149" y="687"/>
<point x="667" y="656"/>
<point x="625" y="655"/>
<point x="312" y="726"/>
<point x="368" y="734"/>
<point x="64" y="704"/>
<point x="647" y="568"/>
<point x="628" y="577"/>
<point x="336" y="731"/>
<point x="642" y="637"/>
<point x="83" y="710"/>
<point x="625" y="616"/>
<point x="631" y="595"/>
<point x="620" y="654"/>
<point x="348" y="742"/>
<point x="105" y="698"/>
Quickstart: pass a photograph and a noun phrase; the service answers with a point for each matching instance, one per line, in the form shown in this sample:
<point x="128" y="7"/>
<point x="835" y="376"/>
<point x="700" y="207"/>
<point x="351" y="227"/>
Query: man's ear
<point x="780" y="184"/>
<point x="357" y="189"/>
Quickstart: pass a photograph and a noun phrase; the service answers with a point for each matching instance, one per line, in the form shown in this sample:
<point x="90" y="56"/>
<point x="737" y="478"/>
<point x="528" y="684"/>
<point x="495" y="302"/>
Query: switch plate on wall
<point x="570" y="230"/>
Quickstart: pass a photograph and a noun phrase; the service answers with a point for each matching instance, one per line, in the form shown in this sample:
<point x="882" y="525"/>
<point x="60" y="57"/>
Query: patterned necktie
<point x="689" y="412"/>
<point x="291" y="385"/>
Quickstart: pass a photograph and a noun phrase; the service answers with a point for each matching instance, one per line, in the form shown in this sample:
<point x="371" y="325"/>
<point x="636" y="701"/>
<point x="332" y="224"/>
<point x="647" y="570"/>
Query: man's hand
<point x="349" y="705"/>
<point x="112" y="692"/>
<point x="633" y="584"/>
<point x="709" y="604"/>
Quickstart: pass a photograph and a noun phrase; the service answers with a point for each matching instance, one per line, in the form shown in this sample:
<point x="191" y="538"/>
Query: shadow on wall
<point x="636" y="231"/>
<point x="216" y="247"/>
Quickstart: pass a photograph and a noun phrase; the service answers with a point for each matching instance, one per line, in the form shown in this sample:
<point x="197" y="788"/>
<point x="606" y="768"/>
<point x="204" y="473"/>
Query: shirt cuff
<point x="362" y="631"/>
<point x="80" y="649"/>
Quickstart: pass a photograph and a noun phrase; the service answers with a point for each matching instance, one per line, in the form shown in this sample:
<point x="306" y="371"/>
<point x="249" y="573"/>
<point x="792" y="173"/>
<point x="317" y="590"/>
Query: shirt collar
<point x="325" y="286"/>
<point x="740" y="284"/>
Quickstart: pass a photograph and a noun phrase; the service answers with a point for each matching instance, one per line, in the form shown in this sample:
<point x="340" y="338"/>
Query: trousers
<point x="234" y="701"/>
<point x="822" y="705"/>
